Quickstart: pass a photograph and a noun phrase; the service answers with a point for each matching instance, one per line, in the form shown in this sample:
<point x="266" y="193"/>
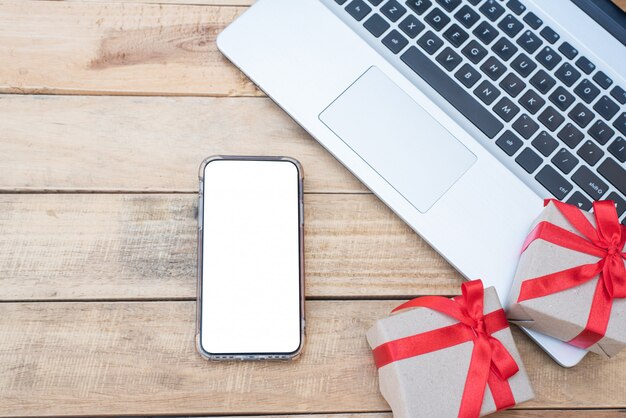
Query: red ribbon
<point x="491" y="364"/>
<point x="606" y="242"/>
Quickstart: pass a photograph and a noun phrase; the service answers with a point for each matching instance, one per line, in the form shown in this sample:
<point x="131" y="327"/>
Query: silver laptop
<point x="461" y="115"/>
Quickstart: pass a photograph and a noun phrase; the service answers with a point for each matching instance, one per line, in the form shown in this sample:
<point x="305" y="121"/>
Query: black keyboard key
<point x="504" y="49"/>
<point x="606" y="107"/>
<point x="567" y="74"/>
<point x="493" y="68"/>
<point x="590" y="152"/>
<point x="467" y="16"/>
<point x="453" y="92"/>
<point x="492" y="10"/>
<point x="411" y="26"/>
<point x="395" y="41"/>
<point x="510" y="25"/>
<point x="509" y="143"/>
<point x="467" y="75"/>
<point x="437" y="18"/>
<point x="419" y="6"/>
<point x="561" y="98"/>
<point x="620" y="123"/>
<point x="620" y="203"/>
<point x="581" y="115"/>
<point x="393" y="10"/>
<point x="474" y="51"/>
<point x="587" y="91"/>
<point x="548" y="58"/>
<point x="449" y="5"/>
<point x="485" y="32"/>
<point x="551" y="118"/>
<point x="553" y="182"/>
<point x="601" y="132"/>
<point x="590" y="182"/>
<point x="579" y="199"/>
<point x="375" y="2"/>
<point x="619" y="94"/>
<point x="564" y="161"/>
<point x="545" y="143"/>
<point x="570" y="135"/>
<point x="449" y="59"/>
<point x="542" y="81"/>
<point x="615" y="173"/>
<point x="568" y="50"/>
<point x="525" y="126"/>
<point x="529" y="41"/>
<point x="549" y="34"/>
<point x="516" y="7"/>
<point x="584" y="64"/>
<point x="523" y="65"/>
<point x="455" y="35"/>
<point x="486" y="92"/>
<point x="474" y="2"/>
<point x="340" y="1"/>
<point x="430" y="42"/>
<point x="512" y="84"/>
<point x="618" y="149"/>
<point x="532" y="101"/>
<point x="358" y="9"/>
<point x="602" y="79"/>
<point x="529" y="160"/>
<point x="506" y="109"/>
<point x="533" y="20"/>
<point x="376" y="25"/>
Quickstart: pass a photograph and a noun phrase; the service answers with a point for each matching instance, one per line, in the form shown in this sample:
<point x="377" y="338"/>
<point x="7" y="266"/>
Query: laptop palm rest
<point x="402" y="142"/>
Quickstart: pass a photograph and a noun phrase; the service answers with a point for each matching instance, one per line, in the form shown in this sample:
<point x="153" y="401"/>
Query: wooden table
<point x="107" y="109"/>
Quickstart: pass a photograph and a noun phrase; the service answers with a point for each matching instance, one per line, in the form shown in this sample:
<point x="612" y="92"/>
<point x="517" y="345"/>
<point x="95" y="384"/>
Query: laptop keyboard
<point x="546" y="106"/>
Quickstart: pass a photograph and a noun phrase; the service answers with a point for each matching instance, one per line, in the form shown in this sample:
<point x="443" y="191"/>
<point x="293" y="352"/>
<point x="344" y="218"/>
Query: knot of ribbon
<point x="491" y="364"/>
<point x="606" y="241"/>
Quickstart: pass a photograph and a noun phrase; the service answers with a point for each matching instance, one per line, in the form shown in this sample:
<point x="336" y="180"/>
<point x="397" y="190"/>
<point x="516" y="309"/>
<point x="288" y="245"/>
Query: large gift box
<point x="571" y="280"/>
<point x="440" y="357"/>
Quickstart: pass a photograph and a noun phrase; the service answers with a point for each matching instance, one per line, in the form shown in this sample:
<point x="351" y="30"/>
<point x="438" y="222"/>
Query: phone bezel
<point x="249" y="356"/>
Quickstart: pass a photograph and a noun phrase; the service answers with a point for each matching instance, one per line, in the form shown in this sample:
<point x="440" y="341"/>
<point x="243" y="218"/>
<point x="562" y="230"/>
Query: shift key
<point x="614" y="173"/>
<point x="590" y="183"/>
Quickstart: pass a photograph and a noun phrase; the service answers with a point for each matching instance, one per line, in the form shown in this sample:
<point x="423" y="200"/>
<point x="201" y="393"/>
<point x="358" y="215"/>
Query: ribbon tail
<point x="598" y="318"/>
<point x="476" y="381"/>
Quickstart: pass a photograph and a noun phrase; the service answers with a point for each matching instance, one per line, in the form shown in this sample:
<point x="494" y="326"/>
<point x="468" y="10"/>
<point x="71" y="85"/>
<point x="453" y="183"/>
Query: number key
<point x="548" y="58"/>
<point x="492" y="10"/>
<point x="567" y="74"/>
<point x="587" y="91"/>
<point x="510" y="25"/>
<point x="529" y="41"/>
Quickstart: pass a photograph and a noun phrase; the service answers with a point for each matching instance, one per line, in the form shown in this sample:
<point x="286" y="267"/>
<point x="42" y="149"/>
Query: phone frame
<point x="249" y="356"/>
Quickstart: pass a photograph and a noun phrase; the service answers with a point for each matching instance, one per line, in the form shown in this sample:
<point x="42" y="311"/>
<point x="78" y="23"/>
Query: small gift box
<point x="440" y="357"/>
<point x="571" y="280"/>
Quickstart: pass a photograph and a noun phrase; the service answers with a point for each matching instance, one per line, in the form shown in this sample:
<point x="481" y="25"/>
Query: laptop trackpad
<point x="406" y="146"/>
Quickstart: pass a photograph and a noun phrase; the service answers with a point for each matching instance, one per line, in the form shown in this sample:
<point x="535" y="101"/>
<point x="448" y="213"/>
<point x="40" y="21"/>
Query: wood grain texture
<point x="147" y="143"/>
<point x="182" y="2"/>
<point x="139" y="358"/>
<point x="116" y="48"/>
<point x="109" y="246"/>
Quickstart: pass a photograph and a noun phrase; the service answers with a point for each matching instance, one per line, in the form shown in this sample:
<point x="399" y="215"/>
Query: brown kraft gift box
<point x="432" y="384"/>
<point x="563" y="314"/>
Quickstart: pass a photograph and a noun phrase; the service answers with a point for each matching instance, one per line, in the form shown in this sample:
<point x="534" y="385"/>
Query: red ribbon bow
<point x="606" y="242"/>
<point x="491" y="364"/>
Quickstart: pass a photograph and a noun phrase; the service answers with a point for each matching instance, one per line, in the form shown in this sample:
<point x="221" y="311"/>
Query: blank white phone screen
<point x="251" y="258"/>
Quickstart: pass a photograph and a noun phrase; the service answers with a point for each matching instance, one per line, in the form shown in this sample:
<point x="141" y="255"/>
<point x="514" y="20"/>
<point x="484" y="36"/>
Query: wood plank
<point x="110" y="246"/>
<point x="585" y="413"/>
<point x="184" y="2"/>
<point x="147" y="143"/>
<point x="139" y="358"/>
<point x="116" y="48"/>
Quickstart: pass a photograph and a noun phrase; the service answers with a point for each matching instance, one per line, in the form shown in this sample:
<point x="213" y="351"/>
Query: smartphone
<point x="250" y="259"/>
